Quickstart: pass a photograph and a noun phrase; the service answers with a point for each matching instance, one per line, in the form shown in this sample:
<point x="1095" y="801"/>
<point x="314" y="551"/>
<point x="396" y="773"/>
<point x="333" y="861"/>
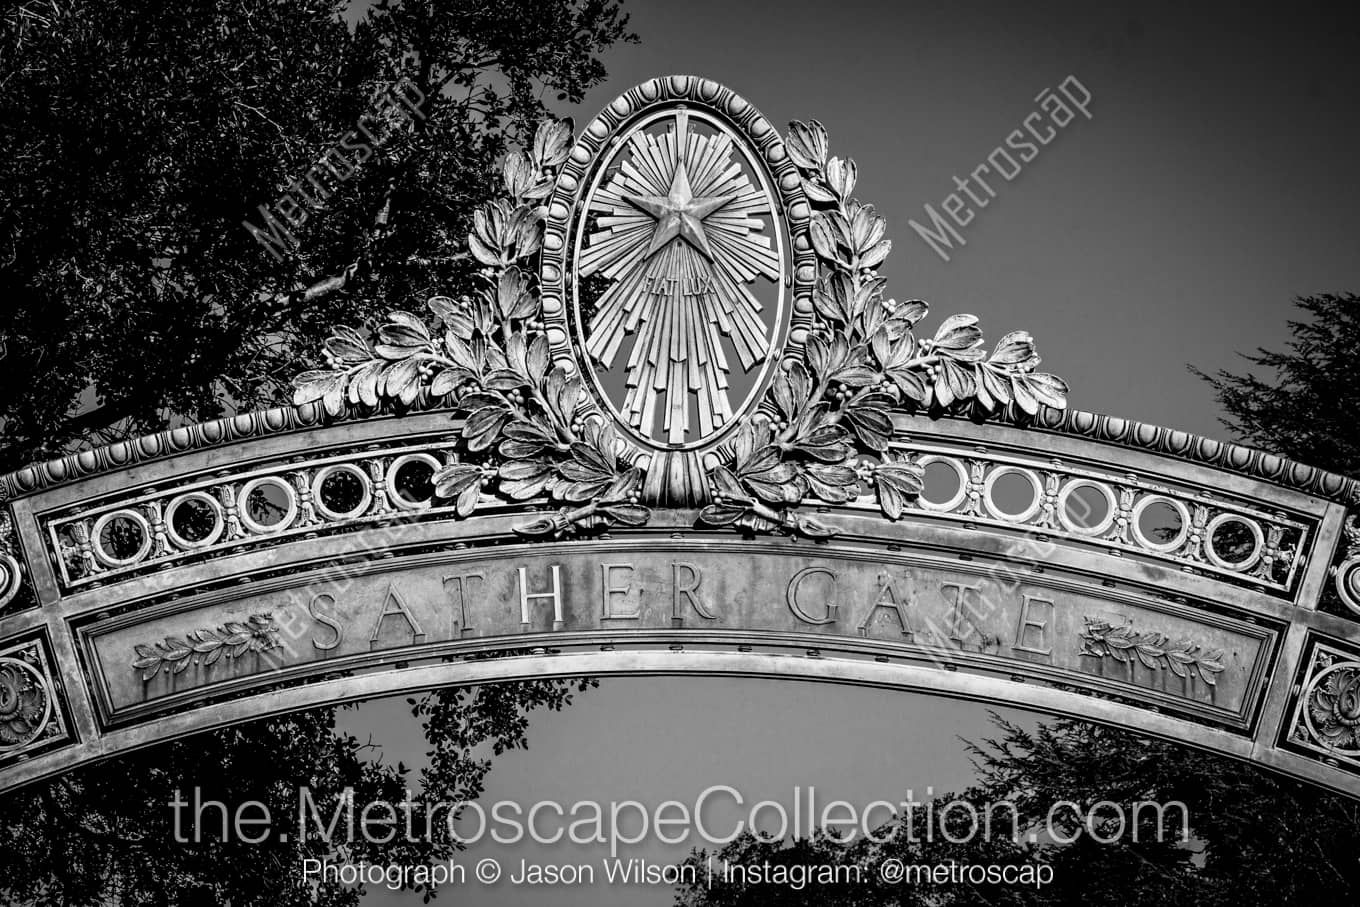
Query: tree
<point x="142" y="149"/>
<point x="1256" y="838"/>
<point x="1307" y="408"/>
<point x="139" y="145"/>
<point x="107" y="834"/>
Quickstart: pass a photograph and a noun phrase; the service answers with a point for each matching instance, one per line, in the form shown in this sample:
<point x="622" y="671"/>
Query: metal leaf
<point x="446" y="381"/>
<point x="1049" y="390"/>
<point x="818" y="193"/>
<point x="402" y="380"/>
<point x="628" y="514"/>
<point x="539" y="527"/>
<point x="876" y="254"/>
<point x="483" y="426"/>
<point x="823" y="239"/>
<point x="958" y="332"/>
<point x="807" y="144"/>
<point x="1024" y="394"/>
<point x="721" y="514"/>
<point x="483" y="252"/>
<point x="455" y="479"/>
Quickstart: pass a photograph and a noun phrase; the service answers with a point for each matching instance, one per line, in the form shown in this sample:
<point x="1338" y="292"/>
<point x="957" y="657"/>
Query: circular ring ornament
<point x="1149" y="544"/>
<point x="954" y="502"/>
<point x="25" y="704"/>
<point x="394" y="471"/>
<point x="319" y="483"/>
<point x="1258" y="542"/>
<point x="107" y="558"/>
<point x="995" y="509"/>
<point x="1348" y="583"/>
<point x="11" y="578"/>
<point x="219" y="520"/>
<point x="1071" y="525"/>
<point x="254" y="525"/>
<point x="677" y="269"/>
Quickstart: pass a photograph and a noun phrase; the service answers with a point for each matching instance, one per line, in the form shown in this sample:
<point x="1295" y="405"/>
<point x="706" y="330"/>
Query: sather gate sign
<point x="684" y="430"/>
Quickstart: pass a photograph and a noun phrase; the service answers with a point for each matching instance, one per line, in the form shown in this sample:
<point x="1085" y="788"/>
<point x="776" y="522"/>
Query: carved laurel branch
<point x="231" y="640"/>
<point x="829" y="413"/>
<point x="1123" y="644"/>
<point x="823" y="430"/>
<point x="490" y="353"/>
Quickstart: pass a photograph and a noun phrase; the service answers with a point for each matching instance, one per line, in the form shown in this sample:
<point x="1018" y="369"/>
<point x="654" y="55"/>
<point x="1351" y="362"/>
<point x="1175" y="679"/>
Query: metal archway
<point x="437" y="511"/>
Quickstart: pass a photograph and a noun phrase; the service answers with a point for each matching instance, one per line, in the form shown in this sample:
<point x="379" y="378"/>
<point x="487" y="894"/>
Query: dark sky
<point x="1215" y="182"/>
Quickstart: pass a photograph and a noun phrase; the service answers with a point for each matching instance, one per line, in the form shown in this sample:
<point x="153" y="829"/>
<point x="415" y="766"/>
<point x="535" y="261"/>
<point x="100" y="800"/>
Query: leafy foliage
<point x="137" y="144"/>
<point x="1301" y="403"/>
<point x="823" y="432"/>
<point x="1256" y="838"/>
<point x="134" y="298"/>
<point x="105" y="833"/>
<point x="489" y="354"/>
<point x="832" y="410"/>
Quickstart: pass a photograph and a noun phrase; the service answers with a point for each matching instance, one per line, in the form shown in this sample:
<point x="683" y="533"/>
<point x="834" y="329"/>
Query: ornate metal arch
<point x="837" y="496"/>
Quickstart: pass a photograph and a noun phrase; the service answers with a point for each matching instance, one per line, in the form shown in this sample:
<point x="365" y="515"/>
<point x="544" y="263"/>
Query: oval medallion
<point x="676" y="261"/>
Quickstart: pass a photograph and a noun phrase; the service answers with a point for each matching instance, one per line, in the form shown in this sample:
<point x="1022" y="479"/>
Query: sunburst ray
<point x="678" y="234"/>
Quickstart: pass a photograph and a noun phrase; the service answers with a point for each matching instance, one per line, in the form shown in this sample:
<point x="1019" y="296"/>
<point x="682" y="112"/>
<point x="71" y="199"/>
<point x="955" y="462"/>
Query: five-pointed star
<point x="679" y="213"/>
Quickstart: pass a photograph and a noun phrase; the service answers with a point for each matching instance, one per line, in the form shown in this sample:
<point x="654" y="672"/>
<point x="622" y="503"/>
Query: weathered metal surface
<point x="911" y="605"/>
<point x="1031" y="611"/>
<point x="702" y="440"/>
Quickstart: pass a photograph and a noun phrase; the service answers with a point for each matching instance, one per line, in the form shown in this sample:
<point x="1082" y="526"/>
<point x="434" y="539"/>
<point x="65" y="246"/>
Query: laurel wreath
<point x="523" y="436"/>
<point x="822" y="432"/>
<point x="830" y="415"/>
